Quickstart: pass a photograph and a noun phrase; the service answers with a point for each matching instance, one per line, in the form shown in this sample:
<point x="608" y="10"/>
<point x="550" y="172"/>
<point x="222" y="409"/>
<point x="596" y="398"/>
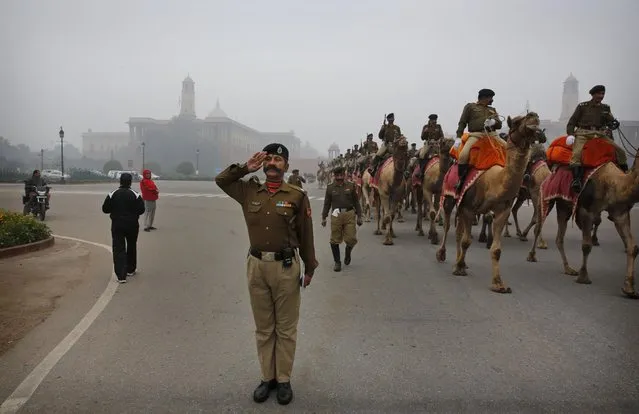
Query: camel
<point x="493" y="192"/>
<point x="390" y="189"/>
<point x="607" y="189"/>
<point x="366" y="197"/>
<point x="429" y="191"/>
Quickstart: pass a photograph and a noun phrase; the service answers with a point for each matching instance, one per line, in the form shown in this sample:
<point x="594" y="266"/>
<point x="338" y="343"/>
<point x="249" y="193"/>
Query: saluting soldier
<point x="388" y="133"/>
<point x="342" y="202"/>
<point x="482" y="120"/>
<point x="591" y="119"/>
<point x="278" y="219"/>
<point x="296" y="179"/>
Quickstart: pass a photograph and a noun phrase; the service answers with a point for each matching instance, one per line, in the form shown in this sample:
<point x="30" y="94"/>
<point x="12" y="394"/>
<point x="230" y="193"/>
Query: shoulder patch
<point x="584" y="103"/>
<point x="255" y="179"/>
<point x="301" y="190"/>
<point x="308" y="212"/>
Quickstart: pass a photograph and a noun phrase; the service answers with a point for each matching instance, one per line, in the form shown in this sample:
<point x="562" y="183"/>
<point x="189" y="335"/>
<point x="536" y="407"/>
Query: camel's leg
<point x="563" y="215"/>
<point x="447" y="208"/>
<point x="586" y="219"/>
<point x="500" y="220"/>
<point x="539" y="224"/>
<point x="420" y="212"/>
<point x="397" y="209"/>
<point x="515" y="210"/>
<point x="413" y="199"/>
<point x="388" y="220"/>
<point x="596" y="223"/>
<point x="622" y="224"/>
<point x="488" y="220"/>
<point x="464" y="225"/>
<point x="378" y="212"/>
<point x="482" y="233"/>
<point x="476" y="220"/>
<point x="506" y="229"/>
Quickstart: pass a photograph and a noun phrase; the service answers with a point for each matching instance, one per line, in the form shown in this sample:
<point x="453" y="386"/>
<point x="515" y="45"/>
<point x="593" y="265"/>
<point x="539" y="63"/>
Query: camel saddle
<point x="416" y="177"/>
<point x="557" y="186"/>
<point x="378" y="173"/>
<point x="596" y="152"/>
<point x="532" y="167"/>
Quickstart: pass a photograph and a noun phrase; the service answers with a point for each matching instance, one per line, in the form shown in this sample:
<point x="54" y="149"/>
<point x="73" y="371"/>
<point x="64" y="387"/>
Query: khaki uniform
<point x="388" y="134"/>
<point x="343" y="227"/>
<point x="412" y="153"/>
<point x="369" y="147"/>
<point x="430" y="133"/>
<point x="296" y="180"/>
<point x="474" y="115"/>
<point x="274" y="222"/>
<point x="589" y="121"/>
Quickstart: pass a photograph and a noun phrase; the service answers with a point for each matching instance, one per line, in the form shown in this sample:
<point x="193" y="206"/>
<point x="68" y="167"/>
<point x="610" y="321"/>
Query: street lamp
<point x="61" y="134"/>
<point x="197" y="162"/>
<point x="142" y="155"/>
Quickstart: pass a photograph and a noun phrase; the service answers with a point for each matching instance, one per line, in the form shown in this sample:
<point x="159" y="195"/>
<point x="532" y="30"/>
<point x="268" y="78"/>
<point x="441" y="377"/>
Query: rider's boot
<point x="463" y="171"/>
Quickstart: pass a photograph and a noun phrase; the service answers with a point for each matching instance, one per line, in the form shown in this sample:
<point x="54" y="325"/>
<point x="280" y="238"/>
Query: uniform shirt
<point x="589" y="115"/>
<point x="370" y="146"/>
<point x="296" y="180"/>
<point x="274" y="221"/>
<point x="124" y="206"/>
<point x="412" y="152"/>
<point x="432" y="132"/>
<point x="474" y="115"/>
<point x="389" y="133"/>
<point x="341" y="196"/>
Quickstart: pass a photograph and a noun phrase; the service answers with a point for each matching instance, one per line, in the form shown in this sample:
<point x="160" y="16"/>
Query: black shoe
<point x="284" y="393"/>
<point x="577" y="173"/>
<point x="624" y="167"/>
<point x="152" y="228"/>
<point x="147" y="229"/>
<point x="347" y="255"/>
<point x="337" y="267"/>
<point x="263" y="391"/>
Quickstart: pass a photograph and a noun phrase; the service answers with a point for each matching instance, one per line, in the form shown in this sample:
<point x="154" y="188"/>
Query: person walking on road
<point x="150" y="195"/>
<point x="341" y="198"/>
<point x="296" y="179"/>
<point x="278" y="219"/>
<point x="125" y="207"/>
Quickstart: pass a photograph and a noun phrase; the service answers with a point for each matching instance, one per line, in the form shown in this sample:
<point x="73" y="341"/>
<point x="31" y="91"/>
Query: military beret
<point x="413" y="144"/>
<point x="369" y="136"/>
<point x="597" y="88"/>
<point x="338" y="170"/>
<point x="295" y="171"/>
<point x="432" y="116"/>
<point x="276" y="149"/>
<point x="485" y="93"/>
<point x="391" y="115"/>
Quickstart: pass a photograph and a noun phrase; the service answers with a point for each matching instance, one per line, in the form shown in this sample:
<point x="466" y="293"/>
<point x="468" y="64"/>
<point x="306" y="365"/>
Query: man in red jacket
<point x="150" y="194"/>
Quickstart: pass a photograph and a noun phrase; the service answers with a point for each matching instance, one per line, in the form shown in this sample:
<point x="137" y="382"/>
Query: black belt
<point x="266" y="256"/>
<point x="591" y="128"/>
<point x="344" y="210"/>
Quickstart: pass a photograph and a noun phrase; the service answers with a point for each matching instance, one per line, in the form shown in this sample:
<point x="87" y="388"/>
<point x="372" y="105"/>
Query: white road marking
<point x="25" y="390"/>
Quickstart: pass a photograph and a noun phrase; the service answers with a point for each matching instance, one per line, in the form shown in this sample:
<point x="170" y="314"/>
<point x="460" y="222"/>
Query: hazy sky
<point x="328" y="70"/>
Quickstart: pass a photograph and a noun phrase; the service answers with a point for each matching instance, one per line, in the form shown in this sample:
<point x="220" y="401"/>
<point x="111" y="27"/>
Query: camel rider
<point x="482" y="121"/>
<point x="388" y="133"/>
<point x="591" y="119"/>
<point x="432" y="133"/>
<point x="412" y="152"/>
<point x="370" y="146"/>
<point x="296" y="179"/>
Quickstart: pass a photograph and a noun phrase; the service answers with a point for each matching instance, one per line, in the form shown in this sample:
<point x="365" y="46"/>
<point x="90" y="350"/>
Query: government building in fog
<point x="569" y="101"/>
<point x="212" y="142"/>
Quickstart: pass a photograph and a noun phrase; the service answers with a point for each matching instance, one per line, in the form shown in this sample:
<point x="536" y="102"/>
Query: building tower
<point x="570" y="98"/>
<point x="333" y="151"/>
<point x="187" y="100"/>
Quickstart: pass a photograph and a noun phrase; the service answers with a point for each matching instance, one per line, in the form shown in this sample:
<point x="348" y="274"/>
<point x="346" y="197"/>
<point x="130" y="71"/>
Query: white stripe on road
<point x="25" y="390"/>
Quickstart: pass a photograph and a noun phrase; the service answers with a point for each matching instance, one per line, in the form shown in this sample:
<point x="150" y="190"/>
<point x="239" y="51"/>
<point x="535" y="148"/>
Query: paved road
<point x="393" y="332"/>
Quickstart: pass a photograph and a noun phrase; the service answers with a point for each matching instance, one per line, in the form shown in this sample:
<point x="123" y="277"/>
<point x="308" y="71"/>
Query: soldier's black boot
<point x="347" y="255"/>
<point x="375" y="165"/>
<point x="577" y="174"/>
<point x="463" y="171"/>
<point x="284" y="393"/>
<point x="263" y="390"/>
<point x="422" y="165"/>
<point x="336" y="257"/>
<point x="624" y="167"/>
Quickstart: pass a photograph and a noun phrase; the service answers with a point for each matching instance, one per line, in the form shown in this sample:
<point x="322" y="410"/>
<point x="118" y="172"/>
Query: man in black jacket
<point x="125" y="207"/>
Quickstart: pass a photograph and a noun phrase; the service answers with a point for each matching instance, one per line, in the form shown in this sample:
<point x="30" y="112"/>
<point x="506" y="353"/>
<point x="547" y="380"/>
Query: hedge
<point x="17" y="229"/>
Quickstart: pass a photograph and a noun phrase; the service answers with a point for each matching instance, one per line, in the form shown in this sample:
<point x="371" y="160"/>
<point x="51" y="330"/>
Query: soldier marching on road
<point x="342" y="201"/>
<point x="278" y="219"/>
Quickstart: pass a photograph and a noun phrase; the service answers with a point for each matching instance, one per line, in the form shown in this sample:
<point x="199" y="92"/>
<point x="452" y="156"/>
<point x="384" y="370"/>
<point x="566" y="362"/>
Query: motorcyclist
<point x="37" y="181"/>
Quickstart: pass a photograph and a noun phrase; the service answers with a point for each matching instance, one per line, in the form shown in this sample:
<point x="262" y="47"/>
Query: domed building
<point x="333" y="151"/>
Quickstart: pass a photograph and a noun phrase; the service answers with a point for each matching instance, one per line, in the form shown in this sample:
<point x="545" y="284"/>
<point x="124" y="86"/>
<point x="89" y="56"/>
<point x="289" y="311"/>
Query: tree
<point x="186" y="168"/>
<point x="111" y="165"/>
<point x="154" y="167"/>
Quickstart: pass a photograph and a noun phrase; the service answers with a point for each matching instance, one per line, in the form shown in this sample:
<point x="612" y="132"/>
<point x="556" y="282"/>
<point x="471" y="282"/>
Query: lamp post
<point x="61" y="134"/>
<point x="197" y="162"/>
<point x="41" y="160"/>
<point x="143" y="145"/>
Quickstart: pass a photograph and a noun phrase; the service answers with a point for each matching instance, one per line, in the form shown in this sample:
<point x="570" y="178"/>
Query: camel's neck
<point x="513" y="174"/>
<point x="628" y="184"/>
<point x="400" y="165"/>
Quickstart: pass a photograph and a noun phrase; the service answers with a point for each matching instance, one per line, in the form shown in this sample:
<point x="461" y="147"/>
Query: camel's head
<point x="524" y="129"/>
<point x="401" y="143"/>
<point x="446" y="145"/>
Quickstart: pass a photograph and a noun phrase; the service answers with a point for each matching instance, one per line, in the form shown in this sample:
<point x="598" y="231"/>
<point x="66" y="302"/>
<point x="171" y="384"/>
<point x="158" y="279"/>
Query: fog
<point x="328" y="70"/>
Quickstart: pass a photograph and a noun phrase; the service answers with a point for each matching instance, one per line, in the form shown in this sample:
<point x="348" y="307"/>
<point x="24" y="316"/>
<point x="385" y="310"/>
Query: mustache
<point x="271" y="167"/>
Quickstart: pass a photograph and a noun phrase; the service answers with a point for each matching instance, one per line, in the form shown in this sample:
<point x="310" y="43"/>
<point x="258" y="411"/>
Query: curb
<point x="26" y="248"/>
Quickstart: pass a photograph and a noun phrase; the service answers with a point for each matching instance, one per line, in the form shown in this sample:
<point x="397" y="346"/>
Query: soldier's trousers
<point x="124" y="247"/>
<point x="274" y="291"/>
<point x="580" y="140"/>
<point x="464" y="154"/>
<point x="343" y="228"/>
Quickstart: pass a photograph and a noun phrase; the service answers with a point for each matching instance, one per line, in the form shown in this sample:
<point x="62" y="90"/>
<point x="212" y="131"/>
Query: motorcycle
<point x="36" y="201"/>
